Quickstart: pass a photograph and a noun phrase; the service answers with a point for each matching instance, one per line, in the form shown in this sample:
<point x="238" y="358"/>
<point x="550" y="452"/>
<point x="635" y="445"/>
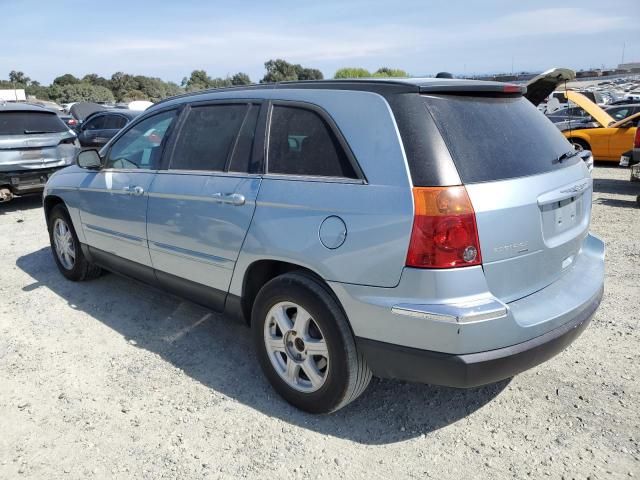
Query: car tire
<point x="66" y="248"/>
<point x="581" y="143"/>
<point x="320" y="383"/>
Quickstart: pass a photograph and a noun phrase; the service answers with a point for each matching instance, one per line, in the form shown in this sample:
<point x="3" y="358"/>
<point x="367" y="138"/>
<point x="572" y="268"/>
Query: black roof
<point x="383" y="86"/>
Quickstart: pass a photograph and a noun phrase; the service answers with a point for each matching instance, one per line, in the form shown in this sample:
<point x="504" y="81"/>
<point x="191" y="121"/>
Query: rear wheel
<point x="66" y="249"/>
<point x="305" y="346"/>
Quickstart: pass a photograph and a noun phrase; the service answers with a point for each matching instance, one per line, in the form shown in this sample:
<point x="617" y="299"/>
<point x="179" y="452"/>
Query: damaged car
<point x="34" y="143"/>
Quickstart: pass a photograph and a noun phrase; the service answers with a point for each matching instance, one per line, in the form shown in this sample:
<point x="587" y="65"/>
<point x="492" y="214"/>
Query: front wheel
<point x="66" y="247"/>
<point x="305" y="346"/>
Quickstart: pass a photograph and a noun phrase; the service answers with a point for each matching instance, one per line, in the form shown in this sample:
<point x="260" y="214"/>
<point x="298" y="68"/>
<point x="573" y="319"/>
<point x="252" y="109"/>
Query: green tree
<point x="279" y="71"/>
<point x="66" y="79"/>
<point x="352" y="72"/>
<point x="120" y="84"/>
<point x="198" y="80"/>
<point x="390" y="72"/>
<point x="95" y="79"/>
<point x="81" y="92"/>
<point x="18" y="78"/>
<point x="308" y="73"/>
<point x="132" y="95"/>
<point x="240" y="79"/>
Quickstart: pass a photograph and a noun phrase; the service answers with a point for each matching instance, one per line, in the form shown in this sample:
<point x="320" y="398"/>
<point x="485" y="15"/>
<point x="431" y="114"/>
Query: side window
<point x="208" y="137"/>
<point x="96" y="123"/>
<point x="114" y="122"/>
<point x="302" y="143"/>
<point x="620" y="113"/>
<point x="141" y="146"/>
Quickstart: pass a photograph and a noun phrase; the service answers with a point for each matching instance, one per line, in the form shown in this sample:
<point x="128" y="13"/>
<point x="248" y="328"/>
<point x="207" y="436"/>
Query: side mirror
<point x="89" y="159"/>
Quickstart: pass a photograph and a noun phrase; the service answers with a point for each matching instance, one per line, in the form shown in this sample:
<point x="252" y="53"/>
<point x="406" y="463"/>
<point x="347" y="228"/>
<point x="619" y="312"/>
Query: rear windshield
<point x="21" y="123"/>
<point x="495" y="138"/>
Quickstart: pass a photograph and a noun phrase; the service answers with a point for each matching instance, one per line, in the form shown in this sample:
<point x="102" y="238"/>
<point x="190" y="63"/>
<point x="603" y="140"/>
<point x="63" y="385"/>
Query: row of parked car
<point x="36" y="141"/>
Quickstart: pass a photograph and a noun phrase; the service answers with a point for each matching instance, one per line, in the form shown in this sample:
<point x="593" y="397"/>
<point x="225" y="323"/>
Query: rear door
<point x="201" y="206"/>
<point x="532" y="205"/>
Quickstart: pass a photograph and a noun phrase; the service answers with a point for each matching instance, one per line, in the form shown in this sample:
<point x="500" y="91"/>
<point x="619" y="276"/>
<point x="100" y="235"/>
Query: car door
<point x="113" y="200"/>
<point x="201" y="206"/>
<point x="112" y="125"/>
<point x="90" y="131"/>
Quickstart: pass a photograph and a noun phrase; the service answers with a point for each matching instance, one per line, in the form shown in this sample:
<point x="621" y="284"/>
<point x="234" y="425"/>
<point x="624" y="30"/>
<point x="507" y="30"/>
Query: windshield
<point x="496" y="138"/>
<point x="21" y="123"/>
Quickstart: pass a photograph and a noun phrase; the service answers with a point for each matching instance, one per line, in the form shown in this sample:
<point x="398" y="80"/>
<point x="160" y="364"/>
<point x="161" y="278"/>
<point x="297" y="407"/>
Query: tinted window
<point x="207" y="137"/>
<point x="141" y="146"/>
<point x="493" y="138"/>
<point x="21" y="123"/>
<point x="242" y="160"/>
<point x="95" y="123"/>
<point x="301" y="143"/>
<point x="114" y="122"/>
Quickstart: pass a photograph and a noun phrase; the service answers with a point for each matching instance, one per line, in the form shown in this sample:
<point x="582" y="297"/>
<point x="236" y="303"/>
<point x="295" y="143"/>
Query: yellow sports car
<point x="609" y="139"/>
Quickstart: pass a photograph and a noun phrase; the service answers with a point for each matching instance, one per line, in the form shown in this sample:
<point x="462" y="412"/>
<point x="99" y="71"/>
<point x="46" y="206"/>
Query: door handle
<point x="236" y="199"/>
<point x="136" y="190"/>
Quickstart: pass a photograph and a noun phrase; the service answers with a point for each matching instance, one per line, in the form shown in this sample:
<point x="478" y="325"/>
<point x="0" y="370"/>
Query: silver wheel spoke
<point x="301" y="324"/>
<point x="292" y="371"/>
<point x="283" y="321"/>
<point x="311" y="371"/>
<point x="275" y="344"/>
<point x="316" y="347"/>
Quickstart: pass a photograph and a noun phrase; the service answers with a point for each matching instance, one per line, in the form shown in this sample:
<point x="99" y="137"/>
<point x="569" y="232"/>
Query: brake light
<point x="636" y="141"/>
<point x="444" y="232"/>
<point x="510" y="88"/>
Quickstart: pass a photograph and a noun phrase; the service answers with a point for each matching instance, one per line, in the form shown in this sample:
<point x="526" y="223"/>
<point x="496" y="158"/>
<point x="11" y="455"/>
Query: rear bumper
<point x="470" y="370"/>
<point x="27" y="181"/>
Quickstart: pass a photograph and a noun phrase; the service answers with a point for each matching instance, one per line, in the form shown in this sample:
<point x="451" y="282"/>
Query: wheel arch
<point x="260" y="272"/>
<point x="49" y="202"/>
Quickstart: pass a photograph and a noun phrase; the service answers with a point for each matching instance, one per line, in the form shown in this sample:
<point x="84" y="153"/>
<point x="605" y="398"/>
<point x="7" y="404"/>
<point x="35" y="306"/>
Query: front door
<point x="201" y="207"/>
<point x="113" y="201"/>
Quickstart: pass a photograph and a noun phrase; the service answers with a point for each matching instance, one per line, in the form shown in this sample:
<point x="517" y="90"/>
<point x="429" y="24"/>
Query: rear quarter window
<point x="496" y="138"/>
<point x="24" y="123"/>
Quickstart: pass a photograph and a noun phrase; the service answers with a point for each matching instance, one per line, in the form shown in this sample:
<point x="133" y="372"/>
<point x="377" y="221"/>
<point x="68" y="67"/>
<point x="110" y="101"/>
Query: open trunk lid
<point x="530" y="192"/>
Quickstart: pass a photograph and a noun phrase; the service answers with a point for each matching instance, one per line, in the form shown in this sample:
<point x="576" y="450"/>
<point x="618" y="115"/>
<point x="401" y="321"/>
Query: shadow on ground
<point x="28" y="202"/>
<point x="615" y="185"/>
<point x="218" y="353"/>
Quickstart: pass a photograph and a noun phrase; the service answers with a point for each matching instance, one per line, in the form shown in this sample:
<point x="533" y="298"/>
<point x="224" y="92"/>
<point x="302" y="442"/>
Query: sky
<point x="46" y="38"/>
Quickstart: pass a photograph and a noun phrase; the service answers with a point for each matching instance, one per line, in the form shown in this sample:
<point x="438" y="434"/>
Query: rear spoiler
<point x="473" y="88"/>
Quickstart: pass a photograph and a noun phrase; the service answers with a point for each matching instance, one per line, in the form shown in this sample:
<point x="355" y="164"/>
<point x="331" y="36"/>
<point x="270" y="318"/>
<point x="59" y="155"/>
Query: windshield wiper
<point x="566" y="156"/>
<point x="32" y="132"/>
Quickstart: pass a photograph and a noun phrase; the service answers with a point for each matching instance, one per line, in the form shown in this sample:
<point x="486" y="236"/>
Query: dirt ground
<point x="113" y="379"/>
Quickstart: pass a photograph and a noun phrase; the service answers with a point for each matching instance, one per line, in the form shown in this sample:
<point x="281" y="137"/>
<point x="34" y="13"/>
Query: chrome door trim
<point x="113" y="234"/>
<point x="192" y="254"/>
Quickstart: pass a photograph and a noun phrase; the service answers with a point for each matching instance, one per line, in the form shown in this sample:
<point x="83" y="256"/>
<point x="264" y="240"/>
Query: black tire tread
<point x="358" y="373"/>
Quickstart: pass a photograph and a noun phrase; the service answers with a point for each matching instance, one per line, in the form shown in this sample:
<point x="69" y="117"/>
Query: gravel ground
<point x="113" y="379"/>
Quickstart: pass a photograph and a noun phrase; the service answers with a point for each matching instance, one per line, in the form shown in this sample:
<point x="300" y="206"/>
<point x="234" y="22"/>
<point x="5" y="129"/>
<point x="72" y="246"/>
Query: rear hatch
<point x="34" y="140"/>
<point x="531" y="195"/>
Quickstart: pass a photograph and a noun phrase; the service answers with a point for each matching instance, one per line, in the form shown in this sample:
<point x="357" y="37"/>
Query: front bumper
<point x="471" y="370"/>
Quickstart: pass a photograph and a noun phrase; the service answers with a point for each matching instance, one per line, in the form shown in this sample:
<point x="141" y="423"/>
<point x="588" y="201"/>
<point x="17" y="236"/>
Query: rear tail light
<point x="445" y="234"/>
<point x="636" y="140"/>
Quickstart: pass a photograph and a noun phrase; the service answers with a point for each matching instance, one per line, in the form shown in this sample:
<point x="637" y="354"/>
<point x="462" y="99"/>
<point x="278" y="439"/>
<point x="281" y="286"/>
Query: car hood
<point x="620" y="123"/>
<point x="597" y="113"/>
<point x="11" y="142"/>
<point x="541" y="86"/>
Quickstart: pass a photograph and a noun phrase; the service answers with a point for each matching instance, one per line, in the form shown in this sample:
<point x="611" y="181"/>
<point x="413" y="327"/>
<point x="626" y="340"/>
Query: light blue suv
<point x="431" y="230"/>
